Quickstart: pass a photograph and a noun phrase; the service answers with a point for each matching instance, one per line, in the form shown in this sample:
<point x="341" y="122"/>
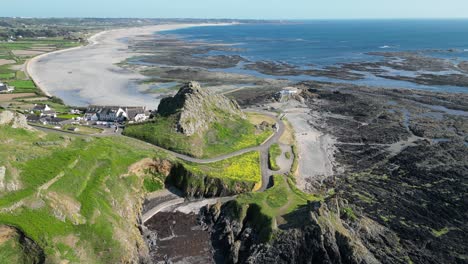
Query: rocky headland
<point x="401" y="160"/>
<point x="196" y="109"/>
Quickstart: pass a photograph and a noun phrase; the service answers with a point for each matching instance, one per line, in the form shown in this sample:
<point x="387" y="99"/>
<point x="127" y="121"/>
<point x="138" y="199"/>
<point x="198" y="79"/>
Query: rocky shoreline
<point x="394" y="156"/>
<point x="168" y="58"/>
<point x="397" y="173"/>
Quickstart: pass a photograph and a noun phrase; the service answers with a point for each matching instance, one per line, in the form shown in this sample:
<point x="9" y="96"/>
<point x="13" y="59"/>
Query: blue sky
<point x="257" y="9"/>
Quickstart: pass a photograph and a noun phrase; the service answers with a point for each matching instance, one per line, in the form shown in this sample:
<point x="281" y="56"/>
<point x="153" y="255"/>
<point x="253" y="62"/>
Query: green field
<point x="273" y="153"/>
<point x="221" y="138"/>
<point x="72" y="189"/>
<point x="18" y="78"/>
<point x="245" y="168"/>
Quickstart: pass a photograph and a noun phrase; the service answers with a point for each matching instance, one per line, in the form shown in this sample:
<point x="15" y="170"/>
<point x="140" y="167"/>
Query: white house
<point x="41" y="107"/>
<point x="45" y="110"/>
<point x="4" y="88"/>
<point x="115" y="113"/>
<point x="75" y="112"/>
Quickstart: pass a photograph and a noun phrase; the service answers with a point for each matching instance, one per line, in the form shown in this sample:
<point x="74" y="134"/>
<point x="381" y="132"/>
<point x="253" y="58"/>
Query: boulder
<point x="14" y="120"/>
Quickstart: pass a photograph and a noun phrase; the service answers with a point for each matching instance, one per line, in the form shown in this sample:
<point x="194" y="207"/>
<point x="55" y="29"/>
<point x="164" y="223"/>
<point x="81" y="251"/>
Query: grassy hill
<point x="74" y="196"/>
<point x="199" y="123"/>
<point x="220" y="138"/>
<point x="79" y="197"/>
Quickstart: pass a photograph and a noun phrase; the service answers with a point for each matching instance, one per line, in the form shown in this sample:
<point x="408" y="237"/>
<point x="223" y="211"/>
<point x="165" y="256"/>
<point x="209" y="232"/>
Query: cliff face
<point x="196" y="108"/>
<point x="196" y="185"/>
<point x="313" y="234"/>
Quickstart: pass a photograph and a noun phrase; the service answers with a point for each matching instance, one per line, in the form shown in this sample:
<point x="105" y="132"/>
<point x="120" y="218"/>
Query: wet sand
<point x="89" y="75"/>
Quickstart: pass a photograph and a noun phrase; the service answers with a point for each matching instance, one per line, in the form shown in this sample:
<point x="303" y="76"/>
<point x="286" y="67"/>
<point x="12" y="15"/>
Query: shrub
<point x="273" y="153"/>
<point x="295" y="163"/>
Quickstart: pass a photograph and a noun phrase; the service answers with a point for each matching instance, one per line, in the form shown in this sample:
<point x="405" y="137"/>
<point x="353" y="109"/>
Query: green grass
<point x="23" y="86"/>
<point x="441" y="232"/>
<point x="295" y="164"/>
<point x="218" y="140"/>
<point x="89" y="173"/>
<point x="6" y="76"/>
<point x="287" y="155"/>
<point x="281" y="199"/>
<point x="151" y="184"/>
<point x="349" y="213"/>
<point x="245" y="168"/>
<point x="18" y="79"/>
<point x="273" y="153"/>
<point x="86" y="130"/>
<point x="13" y="251"/>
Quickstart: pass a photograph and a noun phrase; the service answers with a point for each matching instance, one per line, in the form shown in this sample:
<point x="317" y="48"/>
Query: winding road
<point x="263" y="149"/>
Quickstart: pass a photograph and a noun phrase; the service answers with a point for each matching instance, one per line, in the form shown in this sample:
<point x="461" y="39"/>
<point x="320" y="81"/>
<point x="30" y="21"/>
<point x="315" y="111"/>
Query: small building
<point x="49" y="113"/>
<point x="33" y="118"/>
<point x="4" y="88"/>
<point x="41" y="107"/>
<point x="55" y="121"/>
<point x="105" y="113"/>
<point x="75" y="112"/>
<point x="286" y="93"/>
<point x="136" y="114"/>
<point x="73" y="129"/>
<point x="115" y="114"/>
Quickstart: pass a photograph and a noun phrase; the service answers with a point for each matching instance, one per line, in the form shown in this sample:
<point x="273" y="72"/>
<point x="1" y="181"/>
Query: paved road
<point x="263" y="149"/>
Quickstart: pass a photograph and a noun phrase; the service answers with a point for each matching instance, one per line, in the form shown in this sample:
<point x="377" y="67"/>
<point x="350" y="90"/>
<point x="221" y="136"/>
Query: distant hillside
<point x="200" y="123"/>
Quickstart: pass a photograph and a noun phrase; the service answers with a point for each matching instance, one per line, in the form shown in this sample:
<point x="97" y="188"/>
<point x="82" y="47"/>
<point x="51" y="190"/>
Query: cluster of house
<point x="94" y="115"/>
<point x="45" y="115"/>
<point x="113" y="114"/>
<point x="5" y="88"/>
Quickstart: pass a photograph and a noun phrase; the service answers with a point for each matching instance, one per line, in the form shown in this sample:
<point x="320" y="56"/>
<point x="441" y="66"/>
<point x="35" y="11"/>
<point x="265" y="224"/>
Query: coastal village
<point x="93" y="116"/>
<point x="298" y="170"/>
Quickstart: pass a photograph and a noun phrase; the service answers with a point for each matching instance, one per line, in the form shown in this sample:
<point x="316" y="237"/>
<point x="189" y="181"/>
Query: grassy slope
<point x="273" y="153"/>
<point x="88" y="178"/>
<point x="241" y="168"/>
<point x="220" y="139"/>
<point x="267" y="207"/>
<point x="11" y="252"/>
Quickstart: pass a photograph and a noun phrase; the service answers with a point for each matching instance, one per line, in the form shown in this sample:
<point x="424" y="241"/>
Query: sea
<point x="319" y="44"/>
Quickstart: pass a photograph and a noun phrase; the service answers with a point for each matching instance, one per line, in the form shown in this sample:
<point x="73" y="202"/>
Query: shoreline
<point x="88" y="74"/>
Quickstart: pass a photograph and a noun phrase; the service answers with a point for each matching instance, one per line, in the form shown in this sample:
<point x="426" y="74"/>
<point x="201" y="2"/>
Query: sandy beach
<point x="89" y="74"/>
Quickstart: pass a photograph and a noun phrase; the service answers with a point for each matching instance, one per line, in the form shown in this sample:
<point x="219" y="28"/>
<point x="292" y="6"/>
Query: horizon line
<point x="255" y="19"/>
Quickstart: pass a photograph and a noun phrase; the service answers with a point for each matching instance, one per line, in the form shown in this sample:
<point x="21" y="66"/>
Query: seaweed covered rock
<point x="314" y="234"/>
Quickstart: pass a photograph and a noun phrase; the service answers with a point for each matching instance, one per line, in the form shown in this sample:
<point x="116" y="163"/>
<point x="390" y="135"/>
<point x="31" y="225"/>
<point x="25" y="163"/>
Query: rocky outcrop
<point x="195" y="185"/>
<point x="196" y="108"/>
<point x="15" y="120"/>
<point x="313" y="234"/>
